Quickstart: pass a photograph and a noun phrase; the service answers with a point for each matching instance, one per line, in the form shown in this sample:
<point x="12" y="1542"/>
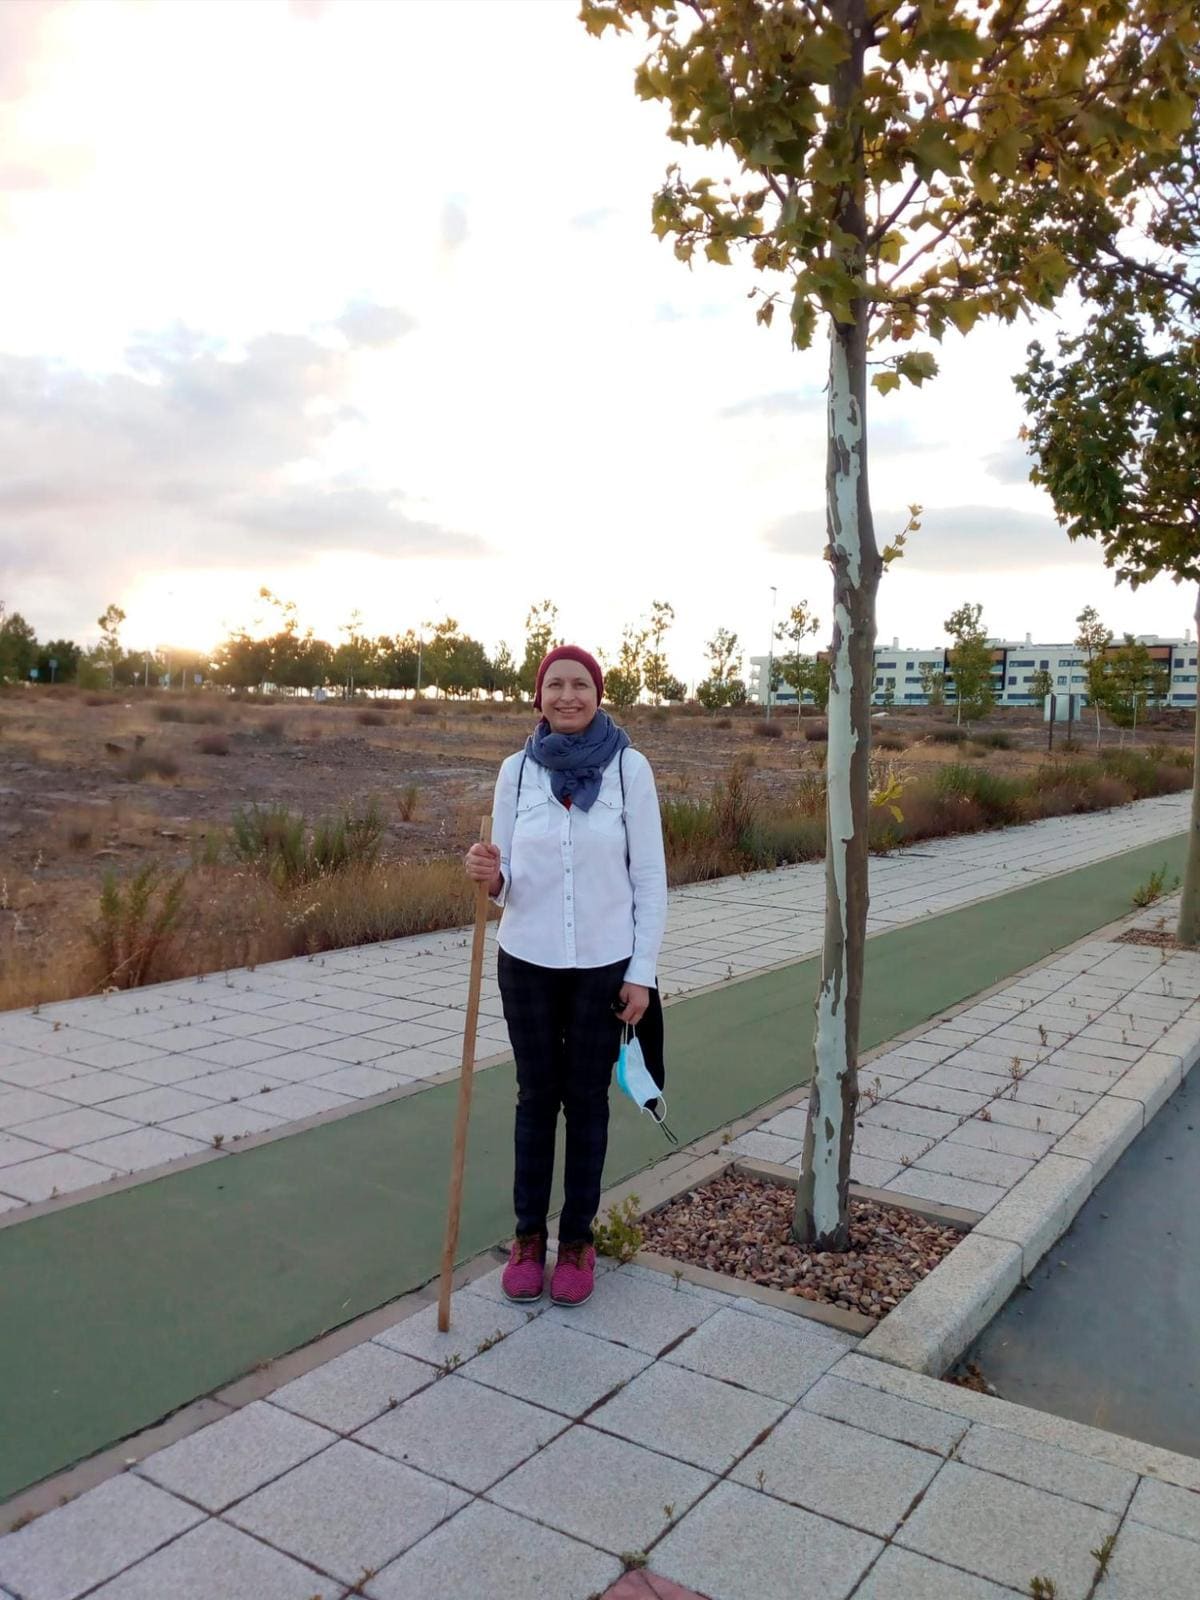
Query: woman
<point x="577" y="864"/>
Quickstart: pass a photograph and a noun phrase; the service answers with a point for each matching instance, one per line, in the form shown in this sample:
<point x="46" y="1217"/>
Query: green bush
<point x="275" y="842"/>
<point x="134" y="925"/>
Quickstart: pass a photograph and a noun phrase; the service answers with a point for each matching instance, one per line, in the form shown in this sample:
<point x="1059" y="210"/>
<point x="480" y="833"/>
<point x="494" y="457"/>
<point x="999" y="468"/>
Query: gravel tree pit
<point x="741" y="1226"/>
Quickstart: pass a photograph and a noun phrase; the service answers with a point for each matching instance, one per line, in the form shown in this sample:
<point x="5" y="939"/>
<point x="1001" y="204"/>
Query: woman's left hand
<point x="636" y="998"/>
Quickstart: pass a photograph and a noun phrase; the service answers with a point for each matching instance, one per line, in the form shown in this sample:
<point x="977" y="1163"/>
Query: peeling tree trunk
<point x="1188" y="931"/>
<point x="822" y="1198"/>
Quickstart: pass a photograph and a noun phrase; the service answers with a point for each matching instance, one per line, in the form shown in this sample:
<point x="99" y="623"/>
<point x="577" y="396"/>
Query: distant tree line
<point x="1122" y="680"/>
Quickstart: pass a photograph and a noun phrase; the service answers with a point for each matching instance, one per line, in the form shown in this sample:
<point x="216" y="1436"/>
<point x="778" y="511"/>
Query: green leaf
<point x="934" y="151"/>
<point x="916" y="366"/>
<point x="963" y="314"/>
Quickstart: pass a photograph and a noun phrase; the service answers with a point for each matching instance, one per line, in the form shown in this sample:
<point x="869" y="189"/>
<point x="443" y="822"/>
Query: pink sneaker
<point x="525" y="1273"/>
<point x="574" y="1275"/>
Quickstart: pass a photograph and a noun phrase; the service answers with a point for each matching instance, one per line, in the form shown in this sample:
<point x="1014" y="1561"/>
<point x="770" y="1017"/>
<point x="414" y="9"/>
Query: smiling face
<point x="569" y="698"/>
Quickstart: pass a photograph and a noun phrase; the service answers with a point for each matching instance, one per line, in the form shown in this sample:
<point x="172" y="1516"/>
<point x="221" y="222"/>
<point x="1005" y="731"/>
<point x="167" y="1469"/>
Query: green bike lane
<point x="117" y="1311"/>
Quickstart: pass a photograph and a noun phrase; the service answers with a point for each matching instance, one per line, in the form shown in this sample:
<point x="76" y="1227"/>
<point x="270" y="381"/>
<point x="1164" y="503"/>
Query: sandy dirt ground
<point x="92" y="783"/>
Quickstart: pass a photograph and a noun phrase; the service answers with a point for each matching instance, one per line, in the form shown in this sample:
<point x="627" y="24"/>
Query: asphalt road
<point x="1108" y="1331"/>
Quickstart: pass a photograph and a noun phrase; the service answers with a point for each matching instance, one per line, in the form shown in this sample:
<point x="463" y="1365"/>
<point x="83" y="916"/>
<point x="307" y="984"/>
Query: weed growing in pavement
<point x="451" y="1364"/>
<point x="1103" y="1554"/>
<point x="486" y="1344"/>
<point x="631" y="1560"/>
<point x="1043" y="1589"/>
<point x="619" y="1236"/>
<point x="1154" y="888"/>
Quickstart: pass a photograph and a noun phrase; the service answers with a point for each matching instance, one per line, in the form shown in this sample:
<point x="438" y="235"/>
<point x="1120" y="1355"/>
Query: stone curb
<point x="941" y="1316"/>
<point x="1116" y="1449"/>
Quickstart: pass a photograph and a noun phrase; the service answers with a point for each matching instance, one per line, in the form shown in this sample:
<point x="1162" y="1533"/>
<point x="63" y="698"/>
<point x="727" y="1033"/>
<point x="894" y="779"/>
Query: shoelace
<point x="528" y="1250"/>
<point x="572" y="1255"/>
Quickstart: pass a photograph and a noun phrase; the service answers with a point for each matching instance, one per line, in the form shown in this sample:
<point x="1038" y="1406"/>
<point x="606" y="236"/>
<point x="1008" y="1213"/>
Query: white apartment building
<point x="898" y="672"/>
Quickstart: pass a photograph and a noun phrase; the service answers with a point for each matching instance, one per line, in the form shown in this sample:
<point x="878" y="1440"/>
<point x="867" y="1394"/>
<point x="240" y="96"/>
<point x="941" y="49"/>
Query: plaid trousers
<point x="565" y="1037"/>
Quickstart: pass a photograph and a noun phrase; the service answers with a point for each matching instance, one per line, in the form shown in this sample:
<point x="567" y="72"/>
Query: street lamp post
<point x="771" y="654"/>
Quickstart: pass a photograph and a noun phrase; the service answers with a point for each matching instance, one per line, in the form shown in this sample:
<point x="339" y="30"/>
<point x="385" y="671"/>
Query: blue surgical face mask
<point x="633" y="1078"/>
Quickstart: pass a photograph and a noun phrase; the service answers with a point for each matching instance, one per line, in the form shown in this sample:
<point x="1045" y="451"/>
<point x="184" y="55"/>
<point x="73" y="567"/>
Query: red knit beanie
<point x="569" y="652"/>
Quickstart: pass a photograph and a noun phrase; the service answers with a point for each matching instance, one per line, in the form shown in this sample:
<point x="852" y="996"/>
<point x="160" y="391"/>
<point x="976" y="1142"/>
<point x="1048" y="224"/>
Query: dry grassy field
<point x="93" y="785"/>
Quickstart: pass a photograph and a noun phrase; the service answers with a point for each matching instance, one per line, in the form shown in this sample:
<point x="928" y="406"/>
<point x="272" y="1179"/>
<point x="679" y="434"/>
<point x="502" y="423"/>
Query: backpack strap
<point x="521" y="774"/>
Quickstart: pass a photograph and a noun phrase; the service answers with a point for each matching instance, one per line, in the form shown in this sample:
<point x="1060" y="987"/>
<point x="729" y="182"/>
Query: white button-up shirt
<point x="569" y="898"/>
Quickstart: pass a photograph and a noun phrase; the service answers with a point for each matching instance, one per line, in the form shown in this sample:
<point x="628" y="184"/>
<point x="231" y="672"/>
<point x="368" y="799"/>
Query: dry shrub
<point x="212" y="744"/>
<point x="406" y="802"/>
<point x="132" y="932"/>
<point x="364" y="904"/>
<point x="890" y="741"/>
<point x="723" y="723"/>
<point x="141" y="764"/>
<point x="202" y="715"/>
<point x="100" y="699"/>
<point x="424" y="708"/>
<point x="817" y="732"/>
<point x="270" y="730"/>
<point x="370" y="719"/>
<point x="767" y="728"/>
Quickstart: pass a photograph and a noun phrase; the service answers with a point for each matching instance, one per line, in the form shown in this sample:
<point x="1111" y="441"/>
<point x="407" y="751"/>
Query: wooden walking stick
<point x="466" y="1078"/>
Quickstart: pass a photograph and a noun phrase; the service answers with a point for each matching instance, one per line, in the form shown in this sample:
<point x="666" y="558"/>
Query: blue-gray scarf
<point x="576" y="761"/>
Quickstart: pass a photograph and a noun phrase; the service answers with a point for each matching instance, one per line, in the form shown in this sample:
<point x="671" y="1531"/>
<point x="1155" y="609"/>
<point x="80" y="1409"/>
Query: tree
<point x="623" y="683"/>
<point x="242" y="662"/>
<point x="933" y="684"/>
<point x="1041" y="684"/>
<point x="540" y="623"/>
<point x="1128" y="684"/>
<point x="674" y="691"/>
<point x="1093" y="639"/>
<point x="794" y="668"/>
<point x="723" y="686"/>
<point x="398" y="660"/>
<point x="971" y="662"/>
<point x="63" y="651"/>
<point x="18" y="646"/>
<point x="1115" y="429"/>
<point x="503" y="673"/>
<point x="655" y="671"/>
<point x="903" y="170"/>
<point x="110" y="639"/>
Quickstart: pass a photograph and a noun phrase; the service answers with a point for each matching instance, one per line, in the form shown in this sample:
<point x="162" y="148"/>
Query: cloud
<point x="454" y="225"/>
<point x="198" y="455"/>
<point x="366" y="323"/>
<point x="951" y="538"/>
<point x="1010" y="465"/>
<point x="782" y="403"/>
<point x="307" y="10"/>
<point x="587" y="220"/>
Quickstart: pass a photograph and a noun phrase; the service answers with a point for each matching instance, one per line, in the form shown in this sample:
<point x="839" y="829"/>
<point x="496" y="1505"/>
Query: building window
<point x="1061" y="681"/>
<point x="1028" y="663"/>
<point x="1044" y="665"/>
<point x="1012" y="683"/>
<point x="885" y="666"/>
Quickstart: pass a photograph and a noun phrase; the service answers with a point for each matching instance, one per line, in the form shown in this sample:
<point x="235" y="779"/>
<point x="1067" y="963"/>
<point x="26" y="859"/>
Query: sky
<point x="359" y="301"/>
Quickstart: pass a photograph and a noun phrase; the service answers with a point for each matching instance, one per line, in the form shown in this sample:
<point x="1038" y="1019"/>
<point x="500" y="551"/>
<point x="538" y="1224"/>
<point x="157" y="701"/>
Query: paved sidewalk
<point x="94" y="1089"/>
<point x="741" y="1451"/>
<point x="738" y="1450"/>
<point x="1052" y="1064"/>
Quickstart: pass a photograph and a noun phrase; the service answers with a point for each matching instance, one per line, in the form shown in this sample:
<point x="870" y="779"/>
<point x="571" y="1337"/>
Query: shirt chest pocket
<point x="604" y="818"/>
<point x="533" y="816"/>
